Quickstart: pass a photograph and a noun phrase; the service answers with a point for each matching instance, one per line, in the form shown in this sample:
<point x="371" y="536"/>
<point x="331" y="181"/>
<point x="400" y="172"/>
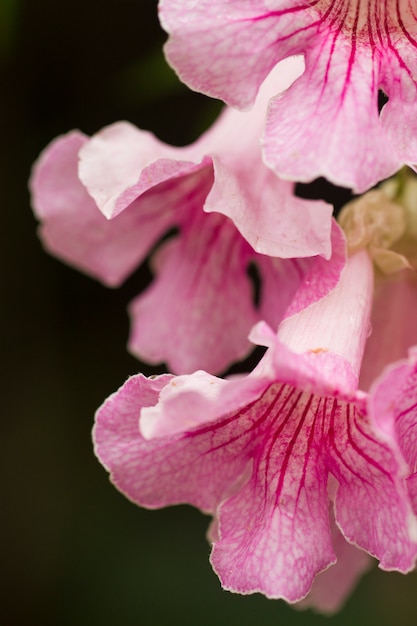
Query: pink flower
<point x="229" y="208"/>
<point x="267" y="454"/>
<point x="327" y="123"/>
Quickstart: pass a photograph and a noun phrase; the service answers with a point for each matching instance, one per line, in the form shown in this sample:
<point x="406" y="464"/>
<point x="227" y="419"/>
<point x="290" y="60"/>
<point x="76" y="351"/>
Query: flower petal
<point x="267" y="541"/>
<point x="372" y="508"/>
<point x="226" y="49"/>
<point x="187" y="317"/>
<point x="266" y="212"/>
<point x="197" y="467"/>
<point x="122" y="162"/>
<point x="75" y="230"/>
<point x="337" y="94"/>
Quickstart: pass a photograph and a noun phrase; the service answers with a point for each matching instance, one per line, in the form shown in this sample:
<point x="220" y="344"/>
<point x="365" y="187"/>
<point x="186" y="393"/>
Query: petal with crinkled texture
<point x="75" y="230"/>
<point x="197" y="466"/>
<point x="267" y="213"/>
<point x="122" y="162"/>
<point x="258" y="452"/>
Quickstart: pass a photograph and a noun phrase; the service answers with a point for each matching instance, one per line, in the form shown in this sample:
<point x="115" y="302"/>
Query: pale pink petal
<point x="227" y="48"/>
<point x="260" y="451"/>
<point x="122" y="162"/>
<point x="244" y="128"/>
<point x="332" y="587"/>
<point x="196" y="467"/>
<point x="265" y="210"/>
<point x="187" y="317"/>
<point x="412" y="490"/>
<point x="73" y="228"/>
<point x="280" y="280"/>
<point x="324" y="330"/>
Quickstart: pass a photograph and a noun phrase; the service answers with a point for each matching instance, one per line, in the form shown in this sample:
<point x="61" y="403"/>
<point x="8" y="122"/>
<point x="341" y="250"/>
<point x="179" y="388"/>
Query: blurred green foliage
<point x="75" y="552"/>
<point x="8" y="27"/>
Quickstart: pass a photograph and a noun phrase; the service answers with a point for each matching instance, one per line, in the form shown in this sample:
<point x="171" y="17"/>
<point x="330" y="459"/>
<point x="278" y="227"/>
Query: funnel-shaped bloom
<point x="230" y="211"/>
<point x="327" y="123"/>
<point x="262" y="453"/>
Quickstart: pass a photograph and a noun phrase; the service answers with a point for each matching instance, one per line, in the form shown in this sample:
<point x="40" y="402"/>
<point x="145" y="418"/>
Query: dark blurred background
<point x="74" y="551"/>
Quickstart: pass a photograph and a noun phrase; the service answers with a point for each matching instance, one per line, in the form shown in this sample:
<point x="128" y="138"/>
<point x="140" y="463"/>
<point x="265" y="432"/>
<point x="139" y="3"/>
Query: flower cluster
<point x="307" y="464"/>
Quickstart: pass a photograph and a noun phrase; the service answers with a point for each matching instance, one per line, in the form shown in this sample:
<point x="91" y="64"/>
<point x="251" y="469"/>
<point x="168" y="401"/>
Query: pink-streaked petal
<point x="122" y="162"/>
<point x="187" y="317"/>
<point x="74" y="229"/>
<point x="267" y="541"/>
<point x="332" y="587"/>
<point x="394" y="329"/>
<point x="372" y="508"/>
<point x="337" y="94"/>
<point x="226" y="49"/>
<point x="197" y="467"/>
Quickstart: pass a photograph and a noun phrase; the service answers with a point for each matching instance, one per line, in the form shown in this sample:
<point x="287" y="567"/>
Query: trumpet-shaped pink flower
<point x="264" y="452"/>
<point x="230" y="211"/>
<point x="327" y="123"/>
